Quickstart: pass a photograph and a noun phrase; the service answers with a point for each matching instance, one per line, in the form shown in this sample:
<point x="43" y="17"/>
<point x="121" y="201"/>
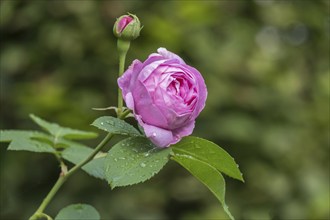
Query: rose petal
<point x="123" y="23"/>
<point x="160" y="137"/>
<point x="152" y="58"/>
<point x="145" y="106"/>
<point x="202" y="90"/>
<point x="185" y="130"/>
<point x="129" y="100"/>
<point x="174" y="120"/>
<point x="169" y="55"/>
<point x="148" y="69"/>
<point x="153" y="82"/>
<point x="126" y="81"/>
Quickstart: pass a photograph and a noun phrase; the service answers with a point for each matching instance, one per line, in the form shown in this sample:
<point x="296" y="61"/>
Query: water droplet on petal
<point x="154" y="134"/>
<point x="143" y="164"/>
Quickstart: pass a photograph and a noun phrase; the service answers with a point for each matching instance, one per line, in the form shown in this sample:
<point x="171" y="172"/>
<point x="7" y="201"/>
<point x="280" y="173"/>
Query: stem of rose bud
<point x="64" y="176"/>
<point x="122" y="47"/>
<point x="124" y="114"/>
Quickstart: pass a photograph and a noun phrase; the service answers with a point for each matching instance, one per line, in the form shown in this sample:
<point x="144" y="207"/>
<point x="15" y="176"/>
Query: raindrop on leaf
<point x="197" y="146"/>
<point x="110" y="123"/>
<point x="143" y="164"/>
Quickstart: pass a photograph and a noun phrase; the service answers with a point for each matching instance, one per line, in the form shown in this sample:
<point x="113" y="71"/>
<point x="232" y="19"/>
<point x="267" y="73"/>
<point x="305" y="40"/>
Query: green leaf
<point x="134" y="160"/>
<point x="26" y="140"/>
<point x="78" y="211"/>
<point x="58" y="131"/>
<point x="210" y="153"/>
<point x="9" y="135"/>
<point x="76" y="153"/>
<point x="208" y="175"/>
<point x="115" y="126"/>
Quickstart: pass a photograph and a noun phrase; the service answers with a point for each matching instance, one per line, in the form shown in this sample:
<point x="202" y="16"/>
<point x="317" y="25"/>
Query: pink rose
<point x="165" y="94"/>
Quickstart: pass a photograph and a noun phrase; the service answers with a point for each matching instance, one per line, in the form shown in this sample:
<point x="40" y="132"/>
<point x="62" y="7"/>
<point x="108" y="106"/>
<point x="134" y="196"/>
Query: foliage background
<point x="266" y="65"/>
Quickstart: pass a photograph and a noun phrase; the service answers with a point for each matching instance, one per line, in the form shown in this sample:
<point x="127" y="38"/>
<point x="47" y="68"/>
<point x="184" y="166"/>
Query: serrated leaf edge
<point x="189" y="154"/>
<point x="137" y="134"/>
<point x="225" y="207"/>
<point x="60" y="128"/>
<point x="153" y="174"/>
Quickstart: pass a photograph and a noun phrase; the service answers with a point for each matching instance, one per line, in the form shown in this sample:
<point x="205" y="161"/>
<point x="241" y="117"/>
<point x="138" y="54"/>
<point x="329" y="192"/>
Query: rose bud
<point x="165" y="94"/>
<point x="127" y="27"/>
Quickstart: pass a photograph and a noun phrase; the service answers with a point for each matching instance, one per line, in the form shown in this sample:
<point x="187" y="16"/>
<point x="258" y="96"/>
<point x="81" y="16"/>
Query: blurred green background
<point x="266" y="66"/>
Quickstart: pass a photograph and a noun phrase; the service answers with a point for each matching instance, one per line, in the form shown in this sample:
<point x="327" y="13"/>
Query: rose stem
<point x="64" y="176"/>
<point x="122" y="46"/>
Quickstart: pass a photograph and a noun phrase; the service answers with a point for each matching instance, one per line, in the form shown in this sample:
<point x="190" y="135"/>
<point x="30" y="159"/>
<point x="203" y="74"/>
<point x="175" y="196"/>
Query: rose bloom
<point x="165" y="94"/>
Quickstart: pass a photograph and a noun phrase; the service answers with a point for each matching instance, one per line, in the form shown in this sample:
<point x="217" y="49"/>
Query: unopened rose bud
<point x="127" y="27"/>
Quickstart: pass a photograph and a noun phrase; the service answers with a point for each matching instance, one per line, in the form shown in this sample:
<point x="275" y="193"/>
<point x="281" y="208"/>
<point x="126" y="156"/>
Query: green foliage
<point x="134" y="160"/>
<point x="77" y="153"/>
<point x="78" y="211"/>
<point x="208" y="175"/>
<point x="207" y="152"/>
<point x="205" y="160"/>
<point x="26" y="140"/>
<point x="266" y="67"/>
<point x="58" y="131"/>
<point x="56" y="143"/>
<point x="115" y="126"/>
